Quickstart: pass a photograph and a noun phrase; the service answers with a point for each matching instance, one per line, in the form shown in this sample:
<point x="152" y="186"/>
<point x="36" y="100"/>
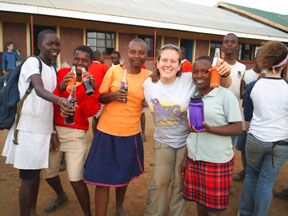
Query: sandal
<point x="56" y="203"/>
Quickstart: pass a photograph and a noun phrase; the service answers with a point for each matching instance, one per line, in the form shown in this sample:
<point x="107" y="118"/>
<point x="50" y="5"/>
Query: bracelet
<point x="225" y="76"/>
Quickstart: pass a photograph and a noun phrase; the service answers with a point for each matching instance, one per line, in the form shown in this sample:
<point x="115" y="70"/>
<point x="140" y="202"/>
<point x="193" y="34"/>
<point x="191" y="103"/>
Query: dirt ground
<point x="135" y="201"/>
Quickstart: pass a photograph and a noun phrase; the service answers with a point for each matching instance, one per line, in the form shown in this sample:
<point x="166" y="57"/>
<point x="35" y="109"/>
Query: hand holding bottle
<point x="205" y="129"/>
<point x="91" y="78"/>
<point x="18" y="51"/>
<point x="65" y="107"/>
<point x="72" y="104"/>
<point x="88" y="82"/>
<point x="66" y="79"/>
<point x="124" y="86"/>
<point x="121" y="95"/>
<point x="215" y="76"/>
<point x="70" y="79"/>
<point x="224" y="69"/>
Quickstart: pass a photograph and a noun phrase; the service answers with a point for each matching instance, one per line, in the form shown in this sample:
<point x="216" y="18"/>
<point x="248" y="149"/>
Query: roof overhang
<point x="252" y="15"/>
<point x="38" y="10"/>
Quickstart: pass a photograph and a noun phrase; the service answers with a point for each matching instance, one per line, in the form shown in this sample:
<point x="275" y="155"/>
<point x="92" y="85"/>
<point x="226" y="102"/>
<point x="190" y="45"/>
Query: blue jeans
<point x="233" y="138"/>
<point x="260" y="175"/>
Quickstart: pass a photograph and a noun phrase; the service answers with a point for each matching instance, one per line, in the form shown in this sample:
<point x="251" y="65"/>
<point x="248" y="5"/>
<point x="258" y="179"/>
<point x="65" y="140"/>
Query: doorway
<point x="36" y="30"/>
<point x="188" y="44"/>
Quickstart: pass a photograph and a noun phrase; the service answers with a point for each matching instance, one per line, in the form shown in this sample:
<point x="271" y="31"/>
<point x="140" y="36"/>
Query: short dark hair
<point x="96" y="55"/>
<point x="237" y="39"/>
<point x="137" y="40"/>
<point x="84" y="48"/>
<point x="8" y="44"/>
<point x="42" y="35"/>
<point x="116" y="52"/>
<point x="208" y="58"/>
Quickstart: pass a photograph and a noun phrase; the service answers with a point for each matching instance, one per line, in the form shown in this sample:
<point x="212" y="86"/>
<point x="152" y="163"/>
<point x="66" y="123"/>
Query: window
<point x="149" y="40"/>
<point x="213" y="46"/>
<point x="101" y="41"/>
<point x="246" y="52"/>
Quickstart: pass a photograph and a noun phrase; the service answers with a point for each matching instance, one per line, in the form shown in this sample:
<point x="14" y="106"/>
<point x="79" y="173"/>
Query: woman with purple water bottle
<point x="167" y="94"/>
<point x="209" y="159"/>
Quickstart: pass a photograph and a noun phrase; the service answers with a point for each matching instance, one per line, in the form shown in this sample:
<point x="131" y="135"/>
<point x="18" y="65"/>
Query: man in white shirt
<point x="230" y="48"/>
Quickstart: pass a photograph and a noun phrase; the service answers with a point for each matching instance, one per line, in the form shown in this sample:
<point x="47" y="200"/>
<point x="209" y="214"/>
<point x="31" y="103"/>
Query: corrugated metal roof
<point x="168" y="14"/>
<point x="275" y="17"/>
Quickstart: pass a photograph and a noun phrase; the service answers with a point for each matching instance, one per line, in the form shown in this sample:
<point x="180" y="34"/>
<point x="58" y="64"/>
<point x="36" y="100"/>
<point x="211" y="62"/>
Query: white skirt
<point x="32" y="151"/>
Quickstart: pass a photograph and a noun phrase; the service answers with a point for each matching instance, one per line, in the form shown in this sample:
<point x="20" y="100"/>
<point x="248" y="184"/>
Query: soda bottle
<point x="196" y="113"/>
<point x="72" y="81"/>
<point x="89" y="91"/>
<point x="72" y="102"/>
<point x="215" y="76"/>
<point x="124" y="84"/>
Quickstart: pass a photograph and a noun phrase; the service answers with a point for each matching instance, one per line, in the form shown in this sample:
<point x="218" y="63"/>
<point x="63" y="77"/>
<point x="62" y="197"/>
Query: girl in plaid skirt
<point x="209" y="159"/>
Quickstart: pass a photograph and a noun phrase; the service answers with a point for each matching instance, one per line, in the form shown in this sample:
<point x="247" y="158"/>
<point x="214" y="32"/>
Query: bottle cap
<point x="195" y="98"/>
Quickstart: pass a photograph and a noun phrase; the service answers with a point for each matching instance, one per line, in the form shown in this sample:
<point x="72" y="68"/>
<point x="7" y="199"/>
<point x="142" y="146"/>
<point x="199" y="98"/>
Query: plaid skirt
<point x="208" y="184"/>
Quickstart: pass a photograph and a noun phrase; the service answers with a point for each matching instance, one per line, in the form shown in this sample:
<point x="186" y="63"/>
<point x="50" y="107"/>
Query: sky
<point x="276" y="6"/>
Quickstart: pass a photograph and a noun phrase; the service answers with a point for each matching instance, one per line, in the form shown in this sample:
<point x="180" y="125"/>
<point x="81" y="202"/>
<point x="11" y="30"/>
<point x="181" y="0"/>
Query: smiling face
<point x="137" y="54"/>
<point x="81" y="59"/>
<point x="49" y="48"/>
<point x="201" y="74"/>
<point x="168" y="65"/>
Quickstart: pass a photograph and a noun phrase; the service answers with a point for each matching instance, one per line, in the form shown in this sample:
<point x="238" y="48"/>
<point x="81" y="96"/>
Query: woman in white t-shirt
<point x="167" y="94"/>
<point x="266" y="120"/>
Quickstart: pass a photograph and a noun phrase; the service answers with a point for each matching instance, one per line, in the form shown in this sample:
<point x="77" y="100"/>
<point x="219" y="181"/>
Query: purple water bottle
<point x="196" y="113"/>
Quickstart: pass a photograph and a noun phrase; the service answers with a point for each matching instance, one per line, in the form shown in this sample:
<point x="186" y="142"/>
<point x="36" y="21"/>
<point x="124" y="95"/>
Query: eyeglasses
<point x="170" y="46"/>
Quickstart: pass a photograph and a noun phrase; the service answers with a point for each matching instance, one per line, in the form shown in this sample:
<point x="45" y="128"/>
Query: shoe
<point x="282" y="194"/>
<point x="62" y="166"/>
<point x="56" y="203"/>
<point x="240" y="176"/>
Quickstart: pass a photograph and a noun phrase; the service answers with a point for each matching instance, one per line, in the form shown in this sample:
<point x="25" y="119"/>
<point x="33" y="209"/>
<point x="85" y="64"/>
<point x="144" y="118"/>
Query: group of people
<point x="198" y="164"/>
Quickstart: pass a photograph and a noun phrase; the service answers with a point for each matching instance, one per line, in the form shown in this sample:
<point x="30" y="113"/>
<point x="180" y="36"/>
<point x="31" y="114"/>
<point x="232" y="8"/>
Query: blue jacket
<point x="9" y="60"/>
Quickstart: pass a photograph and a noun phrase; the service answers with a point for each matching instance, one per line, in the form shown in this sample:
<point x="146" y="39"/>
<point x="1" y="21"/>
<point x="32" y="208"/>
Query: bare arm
<point x="225" y="70"/>
<point x="183" y="165"/>
<point x="231" y="129"/>
<point x="40" y="91"/>
<point x="226" y="81"/>
<point x="247" y="125"/>
<point x="119" y="95"/>
<point x="46" y="95"/>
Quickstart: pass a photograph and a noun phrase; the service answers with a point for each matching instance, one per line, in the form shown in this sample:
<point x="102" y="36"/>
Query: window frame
<point x="104" y="48"/>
